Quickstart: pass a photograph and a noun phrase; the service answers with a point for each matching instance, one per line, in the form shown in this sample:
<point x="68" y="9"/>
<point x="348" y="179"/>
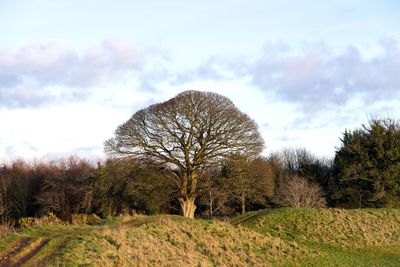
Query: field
<point x="279" y="237"/>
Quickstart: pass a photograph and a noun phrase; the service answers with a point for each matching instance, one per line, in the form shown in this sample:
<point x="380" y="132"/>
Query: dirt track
<point x="249" y="217"/>
<point x="10" y="257"/>
<point x="6" y="258"/>
<point x="32" y="252"/>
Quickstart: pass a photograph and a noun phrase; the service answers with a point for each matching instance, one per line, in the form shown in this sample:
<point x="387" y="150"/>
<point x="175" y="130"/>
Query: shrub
<point x="48" y="219"/>
<point x="85" y="219"/>
<point x="298" y="192"/>
<point x="26" y="222"/>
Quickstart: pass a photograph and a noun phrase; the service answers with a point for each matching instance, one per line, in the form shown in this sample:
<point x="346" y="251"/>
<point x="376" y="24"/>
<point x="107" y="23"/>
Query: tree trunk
<point x="188" y="207"/>
<point x="243" y="200"/>
<point x="211" y="204"/>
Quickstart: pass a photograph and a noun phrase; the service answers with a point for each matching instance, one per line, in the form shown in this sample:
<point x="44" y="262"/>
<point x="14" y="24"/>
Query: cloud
<point x="56" y="63"/>
<point x="94" y="153"/>
<point x="23" y="96"/>
<point x="317" y="78"/>
<point x="214" y="69"/>
<point x="30" y="75"/>
<point x="314" y="78"/>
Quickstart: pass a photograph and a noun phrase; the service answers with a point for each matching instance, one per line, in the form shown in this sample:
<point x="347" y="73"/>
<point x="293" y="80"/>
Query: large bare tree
<point x="188" y="134"/>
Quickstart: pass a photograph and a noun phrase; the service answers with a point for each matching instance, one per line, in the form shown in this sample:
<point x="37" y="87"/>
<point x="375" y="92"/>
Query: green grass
<point x="281" y="237"/>
<point x="369" y="256"/>
<point x="368" y="237"/>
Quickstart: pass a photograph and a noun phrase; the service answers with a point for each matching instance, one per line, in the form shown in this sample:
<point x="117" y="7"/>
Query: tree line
<point x="130" y="185"/>
<point x="198" y="153"/>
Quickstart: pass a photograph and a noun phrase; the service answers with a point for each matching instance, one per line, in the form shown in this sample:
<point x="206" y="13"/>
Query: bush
<point x="298" y="192"/>
<point x="26" y="222"/>
<point x="48" y="219"/>
<point x="85" y="219"/>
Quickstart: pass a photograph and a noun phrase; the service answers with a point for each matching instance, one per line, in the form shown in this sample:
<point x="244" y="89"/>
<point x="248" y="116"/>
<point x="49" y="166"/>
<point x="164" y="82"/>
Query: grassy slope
<point x="153" y="241"/>
<point x="369" y="237"/>
<point x="277" y="237"/>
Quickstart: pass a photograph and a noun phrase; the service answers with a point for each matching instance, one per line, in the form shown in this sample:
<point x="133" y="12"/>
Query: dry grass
<point x="175" y="242"/>
<point x="6" y="228"/>
<point x="287" y="237"/>
<point x="49" y="219"/>
<point x="81" y="219"/>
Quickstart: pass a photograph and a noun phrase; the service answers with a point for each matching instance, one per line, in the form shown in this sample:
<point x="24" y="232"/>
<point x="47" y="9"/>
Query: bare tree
<point x="298" y="192"/>
<point x="248" y="180"/>
<point x="213" y="194"/>
<point x="5" y="195"/>
<point x="187" y="134"/>
<point x="64" y="188"/>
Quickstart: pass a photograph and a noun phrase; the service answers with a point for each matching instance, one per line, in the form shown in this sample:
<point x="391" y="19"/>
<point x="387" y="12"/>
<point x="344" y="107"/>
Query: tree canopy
<point x="367" y="165"/>
<point x="188" y="134"/>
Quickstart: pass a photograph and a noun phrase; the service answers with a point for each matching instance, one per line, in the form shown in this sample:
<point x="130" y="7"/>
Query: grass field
<point x="281" y="237"/>
<point x="368" y="237"/>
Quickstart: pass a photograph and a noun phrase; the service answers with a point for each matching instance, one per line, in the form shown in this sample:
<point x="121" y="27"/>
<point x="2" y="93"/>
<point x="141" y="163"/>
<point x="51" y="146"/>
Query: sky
<point x="72" y="71"/>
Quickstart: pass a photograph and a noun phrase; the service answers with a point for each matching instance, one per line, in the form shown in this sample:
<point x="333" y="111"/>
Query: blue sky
<point x="72" y="71"/>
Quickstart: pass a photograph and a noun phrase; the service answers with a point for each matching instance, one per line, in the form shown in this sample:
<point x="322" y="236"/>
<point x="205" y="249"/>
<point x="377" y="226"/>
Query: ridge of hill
<point x="279" y="237"/>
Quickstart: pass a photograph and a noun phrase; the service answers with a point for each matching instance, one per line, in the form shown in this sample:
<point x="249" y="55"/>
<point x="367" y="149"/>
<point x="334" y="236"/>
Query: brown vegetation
<point x="188" y="134"/>
<point x="248" y="180"/>
<point x="167" y="241"/>
<point x="237" y="184"/>
<point x="298" y="192"/>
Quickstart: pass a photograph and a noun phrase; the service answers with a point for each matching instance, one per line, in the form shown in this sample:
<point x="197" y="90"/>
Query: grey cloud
<point x="266" y="125"/>
<point x="31" y="96"/>
<point x="323" y="84"/>
<point x="93" y="153"/>
<point x="55" y="63"/>
<point x="216" y="69"/>
<point x="287" y="139"/>
<point x="127" y="106"/>
<point x="208" y="70"/>
<point x="8" y="80"/>
<point x="148" y="79"/>
<point x="315" y="78"/>
<point x="23" y="97"/>
<point x="318" y="78"/>
<point x="11" y="151"/>
<point x="106" y="62"/>
<point x="26" y="74"/>
<point x="304" y="122"/>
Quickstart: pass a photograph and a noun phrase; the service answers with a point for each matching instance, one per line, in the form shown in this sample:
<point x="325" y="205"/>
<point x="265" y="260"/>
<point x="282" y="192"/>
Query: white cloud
<point x="301" y="97"/>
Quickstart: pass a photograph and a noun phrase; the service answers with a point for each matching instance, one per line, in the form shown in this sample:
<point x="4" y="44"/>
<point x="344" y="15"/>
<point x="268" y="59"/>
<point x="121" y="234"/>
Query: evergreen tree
<point x="367" y="166"/>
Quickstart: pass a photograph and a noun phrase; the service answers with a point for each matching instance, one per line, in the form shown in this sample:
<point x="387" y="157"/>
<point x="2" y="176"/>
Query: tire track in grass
<point x="6" y="258"/>
<point x="249" y="217"/>
<point x="32" y="252"/>
<point x="53" y="253"/>
<point x="55" y="243"/>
